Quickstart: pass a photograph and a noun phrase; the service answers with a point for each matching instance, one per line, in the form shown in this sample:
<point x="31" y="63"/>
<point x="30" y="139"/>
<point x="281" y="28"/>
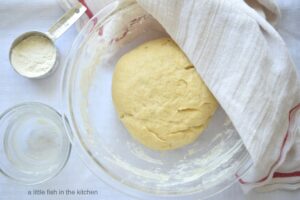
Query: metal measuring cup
<point x="56" y="30"/>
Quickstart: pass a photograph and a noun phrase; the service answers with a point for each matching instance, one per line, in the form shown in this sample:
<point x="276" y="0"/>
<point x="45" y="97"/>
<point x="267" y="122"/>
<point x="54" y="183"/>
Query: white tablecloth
<point x="16" y="17"/>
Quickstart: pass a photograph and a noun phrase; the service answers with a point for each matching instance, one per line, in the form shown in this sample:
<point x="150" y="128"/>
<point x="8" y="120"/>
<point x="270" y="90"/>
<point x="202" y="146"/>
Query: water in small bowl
<point x="35" y="145"/>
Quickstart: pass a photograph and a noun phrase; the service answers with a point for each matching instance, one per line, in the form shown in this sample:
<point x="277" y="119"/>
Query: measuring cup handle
<point x="69" y="18"/>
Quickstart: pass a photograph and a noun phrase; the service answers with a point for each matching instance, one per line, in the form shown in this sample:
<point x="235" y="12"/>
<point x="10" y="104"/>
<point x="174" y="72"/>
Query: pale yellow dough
<point x="159" y="96"/>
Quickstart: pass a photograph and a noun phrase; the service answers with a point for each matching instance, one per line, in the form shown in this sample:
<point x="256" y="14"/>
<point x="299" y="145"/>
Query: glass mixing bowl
<point x="199" y="170"/>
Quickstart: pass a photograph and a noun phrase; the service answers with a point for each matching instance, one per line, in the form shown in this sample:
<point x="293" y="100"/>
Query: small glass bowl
<point x="35" y="146"/>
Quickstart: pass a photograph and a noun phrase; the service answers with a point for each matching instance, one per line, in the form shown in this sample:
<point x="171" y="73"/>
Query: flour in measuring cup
<point x="34" y="56"/>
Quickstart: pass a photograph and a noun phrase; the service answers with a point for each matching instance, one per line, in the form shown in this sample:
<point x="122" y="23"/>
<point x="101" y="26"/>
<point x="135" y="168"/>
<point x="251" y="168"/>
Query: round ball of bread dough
<point x="159" y="96"/>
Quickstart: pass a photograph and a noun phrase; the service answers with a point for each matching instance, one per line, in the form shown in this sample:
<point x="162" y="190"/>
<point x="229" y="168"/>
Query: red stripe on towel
<point x="278" y="174"/>
<point x="286" y="175"/>
<point x="88" y="11"/>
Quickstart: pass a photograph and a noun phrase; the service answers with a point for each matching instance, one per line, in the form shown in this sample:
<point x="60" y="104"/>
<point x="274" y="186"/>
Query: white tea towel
<point x="246" y="65"/>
